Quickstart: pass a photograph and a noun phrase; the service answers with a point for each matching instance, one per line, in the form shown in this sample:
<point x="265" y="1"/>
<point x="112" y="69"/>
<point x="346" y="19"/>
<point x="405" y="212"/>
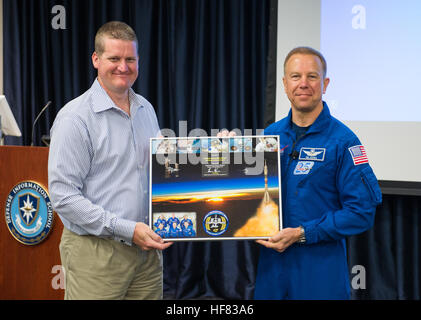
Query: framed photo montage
<point x="209" y="188"/>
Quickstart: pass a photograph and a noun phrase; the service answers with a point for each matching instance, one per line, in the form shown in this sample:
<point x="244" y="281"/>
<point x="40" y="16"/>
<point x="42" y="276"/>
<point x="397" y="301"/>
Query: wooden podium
<point x="27" y="272"/>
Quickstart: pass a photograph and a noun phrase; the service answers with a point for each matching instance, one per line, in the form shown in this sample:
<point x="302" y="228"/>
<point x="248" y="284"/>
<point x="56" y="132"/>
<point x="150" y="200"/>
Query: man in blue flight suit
<point x="174" y="230"/>
<point x="173" y="219"/>
<point x="329" y="192"/>
<point x="185" y="219"/>
<point x="161" y="220"/>
<point x="161" y="231"/>
<point x="187" y="229"/>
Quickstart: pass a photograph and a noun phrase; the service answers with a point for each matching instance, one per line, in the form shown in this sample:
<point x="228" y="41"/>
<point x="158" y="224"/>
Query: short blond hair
<point x="309" y="51"/>
<point x="113" y="30"/>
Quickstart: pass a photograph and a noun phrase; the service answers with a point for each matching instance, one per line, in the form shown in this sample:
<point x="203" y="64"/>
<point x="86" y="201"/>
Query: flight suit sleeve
<point x="358" y="194"/>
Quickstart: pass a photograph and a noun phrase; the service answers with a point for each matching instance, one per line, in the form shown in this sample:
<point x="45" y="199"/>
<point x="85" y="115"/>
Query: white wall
<point x="393" y="148"/>
<point x="294" y="32"/>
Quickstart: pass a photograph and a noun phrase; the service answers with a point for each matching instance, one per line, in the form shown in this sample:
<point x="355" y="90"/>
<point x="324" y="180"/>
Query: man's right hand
<point x="146" y="239"/>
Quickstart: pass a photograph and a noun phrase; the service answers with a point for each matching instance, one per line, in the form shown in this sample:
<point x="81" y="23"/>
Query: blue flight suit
<point x="185" y="220"/>
<point x="188" y="232"/>
<point x="171" y="220"/>
<point x="160" y="221"/>
<point x="162" y="233"/>
<point x="174" y="232"/>
<point x="330" y="190"/>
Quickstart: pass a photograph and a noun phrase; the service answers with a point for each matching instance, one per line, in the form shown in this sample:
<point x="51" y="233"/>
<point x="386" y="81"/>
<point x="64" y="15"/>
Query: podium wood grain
<point x="26" y="271"/>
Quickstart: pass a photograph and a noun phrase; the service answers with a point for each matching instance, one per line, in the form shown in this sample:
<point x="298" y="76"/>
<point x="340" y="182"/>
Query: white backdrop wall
<point x="356" y="54"/>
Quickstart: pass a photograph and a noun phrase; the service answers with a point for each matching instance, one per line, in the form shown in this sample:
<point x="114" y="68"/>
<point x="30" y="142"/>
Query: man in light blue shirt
<point x="98" y="179"/>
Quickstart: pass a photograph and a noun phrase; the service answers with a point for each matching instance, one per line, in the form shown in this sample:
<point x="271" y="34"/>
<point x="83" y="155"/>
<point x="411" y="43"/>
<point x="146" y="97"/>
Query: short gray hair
<point x="310" y="51"/>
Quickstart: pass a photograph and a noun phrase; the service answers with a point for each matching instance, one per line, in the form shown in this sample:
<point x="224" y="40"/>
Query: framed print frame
<point x="209" y="188"/>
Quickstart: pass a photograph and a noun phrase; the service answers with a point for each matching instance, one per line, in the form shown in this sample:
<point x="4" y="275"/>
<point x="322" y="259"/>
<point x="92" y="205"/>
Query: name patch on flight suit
<point x="303" y="167"/>
<point x="313" y="154"/>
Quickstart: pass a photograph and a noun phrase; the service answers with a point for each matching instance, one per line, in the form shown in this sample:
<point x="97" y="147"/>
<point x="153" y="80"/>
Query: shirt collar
<point x="103" y="101"/>
<point x="321" y="121"/>
<point x="318" y="125"/>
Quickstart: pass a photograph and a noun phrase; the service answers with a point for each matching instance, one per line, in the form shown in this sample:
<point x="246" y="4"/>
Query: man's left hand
<point x="282" y="240"/>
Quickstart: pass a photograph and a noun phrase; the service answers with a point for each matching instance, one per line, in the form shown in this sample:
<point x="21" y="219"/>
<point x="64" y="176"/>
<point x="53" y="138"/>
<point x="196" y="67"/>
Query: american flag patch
<point x="358" y="155"/>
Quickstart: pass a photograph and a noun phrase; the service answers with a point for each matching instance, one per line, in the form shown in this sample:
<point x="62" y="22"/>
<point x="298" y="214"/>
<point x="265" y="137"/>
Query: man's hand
<point x="282" y="240"/>
<point x="146" y="239"/>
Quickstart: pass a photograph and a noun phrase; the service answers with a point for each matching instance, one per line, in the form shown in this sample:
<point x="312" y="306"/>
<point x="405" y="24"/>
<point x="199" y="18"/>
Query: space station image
<point x="226" y="199"/>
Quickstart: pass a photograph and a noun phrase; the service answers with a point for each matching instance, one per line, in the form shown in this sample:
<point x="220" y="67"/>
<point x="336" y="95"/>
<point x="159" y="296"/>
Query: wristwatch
<point x="302" y="238"/>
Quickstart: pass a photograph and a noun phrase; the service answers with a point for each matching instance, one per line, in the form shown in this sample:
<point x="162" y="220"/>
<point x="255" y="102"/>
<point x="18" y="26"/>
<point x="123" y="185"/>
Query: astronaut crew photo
<point x="173" y="227"/>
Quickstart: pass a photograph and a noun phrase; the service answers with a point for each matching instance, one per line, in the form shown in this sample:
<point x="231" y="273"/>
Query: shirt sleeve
<point x="69" y="163"/>
<point x="358" y="193"/>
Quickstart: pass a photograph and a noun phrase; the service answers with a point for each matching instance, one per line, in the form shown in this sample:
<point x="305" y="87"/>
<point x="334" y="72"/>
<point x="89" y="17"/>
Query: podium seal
<point x="29" y="213"/>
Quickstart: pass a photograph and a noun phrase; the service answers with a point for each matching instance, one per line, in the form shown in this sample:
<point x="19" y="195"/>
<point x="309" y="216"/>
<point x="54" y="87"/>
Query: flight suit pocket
<point x="316" y="171"/>
<point x="370" y="181"/>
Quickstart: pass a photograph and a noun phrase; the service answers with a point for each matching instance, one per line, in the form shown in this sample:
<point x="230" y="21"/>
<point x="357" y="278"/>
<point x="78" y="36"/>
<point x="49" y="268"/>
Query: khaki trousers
<point x="98" y="268"/>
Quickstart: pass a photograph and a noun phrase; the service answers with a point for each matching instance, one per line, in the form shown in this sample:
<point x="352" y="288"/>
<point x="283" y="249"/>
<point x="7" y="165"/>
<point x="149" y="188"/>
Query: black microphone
<point x="294" y="155"/>
<point x="36" y="119"/>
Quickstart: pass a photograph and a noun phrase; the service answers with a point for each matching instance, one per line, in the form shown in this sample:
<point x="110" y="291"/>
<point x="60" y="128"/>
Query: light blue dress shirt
<point x="98" y="164"/>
